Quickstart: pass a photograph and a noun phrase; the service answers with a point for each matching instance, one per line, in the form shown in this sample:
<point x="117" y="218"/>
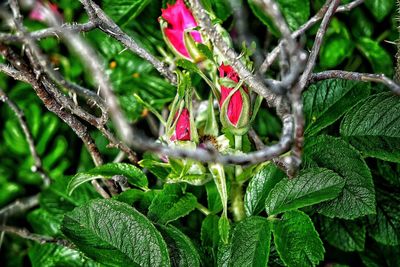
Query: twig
<point x="37" y="167"/>
<point x="49" y="32"/>
<point x="10" y="71"/>
<point x="355" y="76"/>
<point x="52" y="105"/>
<point x="302" y="29"/>
<point x="255" y="82"/>
<point x="19" y="206"/>
<point x="104" y="23"/>
<point x="41" y="239"/>
<point x="295" y="96"/>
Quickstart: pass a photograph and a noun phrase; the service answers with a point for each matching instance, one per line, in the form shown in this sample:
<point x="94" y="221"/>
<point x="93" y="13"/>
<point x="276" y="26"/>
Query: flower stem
<point x="237" y="187"/>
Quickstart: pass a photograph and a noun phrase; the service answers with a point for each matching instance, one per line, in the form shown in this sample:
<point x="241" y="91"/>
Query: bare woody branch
<point x="41" y="239"/>
<point x="37" y="167"/>
<point x="255" y="82"/>
<point x="356" y="76"/>
<point x="104" y="23"/>
<point x="19" y="206"/>
<point x="302" y="29"/>
<point x="52" y="105"/>
<point x="295" y="97"/>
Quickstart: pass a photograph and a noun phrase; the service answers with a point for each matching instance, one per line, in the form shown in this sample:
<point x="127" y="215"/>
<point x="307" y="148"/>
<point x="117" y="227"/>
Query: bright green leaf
<point x="358" y="196"/>
<point x="372" y="126"/>
<point x="250" y="242"/>
<point x="182" y="252"/>
<point x="297" y="241"/>
<point x="171" y="204"/>
<point x="379" y="58"/>
<point x="311" y="186"/>
<point x="134" y="175"/>
<point x="115" y="234"/>
<point x="326" y="101"/>
<point x="380" y="8"/>
<point x="124" y="10"/>
<point x="259" y="187"/>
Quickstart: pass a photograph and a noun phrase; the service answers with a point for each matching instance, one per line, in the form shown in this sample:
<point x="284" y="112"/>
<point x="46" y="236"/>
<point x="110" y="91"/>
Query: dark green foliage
<point x="341" y="209"/>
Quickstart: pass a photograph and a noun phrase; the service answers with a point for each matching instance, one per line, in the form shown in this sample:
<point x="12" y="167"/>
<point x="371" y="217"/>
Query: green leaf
<point x="209" y="232"/>
<point x="182" y="252"/>
<point x="297" y="241"/>
<point x="379" y="58"/>
<point x="141" y="200"/>
<point x="362" y="26"/>
<point x="159" y="169"/>
<point x="134" y="175"/>
<point x="386" y="224"/>
<point x="311" y="186"/>
<point x="259" y="187"/>
<point x="57" y="201"/>
<point x="250" y="242"/>
<point x="295" y="12"/>
<point x="171" y="204"/>
<point x="326" y="101"/>
<point x="377" y="255"/>
<point x="123" y="11"/>
<point x="115" y="234"/>
<point x="345" y="235"/>
<point x="358" y="197"/>
<point x="380" y="8"/>
<point x="52" y="255"/>
<point x="213" y="199"/>
<point x="44" y="223"/>
<point x="221" y="8"/>
<point x="337" y="45"/>
<point x="224" y="228"/>
<point x="372" y="126"/>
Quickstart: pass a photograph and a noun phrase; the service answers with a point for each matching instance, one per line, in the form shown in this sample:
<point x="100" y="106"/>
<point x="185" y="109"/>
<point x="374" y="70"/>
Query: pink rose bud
<point x="179" y="18"/>
<point x="44" y="11"/>
<point x="235" y="106"/>
<point x="182" y="129"/>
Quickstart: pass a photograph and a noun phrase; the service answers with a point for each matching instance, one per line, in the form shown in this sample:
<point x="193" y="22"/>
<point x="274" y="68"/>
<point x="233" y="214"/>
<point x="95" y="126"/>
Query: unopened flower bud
<point x="234" y="102"/>
<point x="178" y="19"/>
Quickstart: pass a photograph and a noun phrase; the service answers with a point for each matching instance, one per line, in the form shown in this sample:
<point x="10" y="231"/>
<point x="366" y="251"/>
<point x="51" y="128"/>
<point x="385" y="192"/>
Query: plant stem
<point x="236" y="193"/>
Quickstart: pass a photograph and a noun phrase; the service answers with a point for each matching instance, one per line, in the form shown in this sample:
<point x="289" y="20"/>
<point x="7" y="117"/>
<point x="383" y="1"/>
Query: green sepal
<point x="191" y="47"/>
<point x="211" y="127"/>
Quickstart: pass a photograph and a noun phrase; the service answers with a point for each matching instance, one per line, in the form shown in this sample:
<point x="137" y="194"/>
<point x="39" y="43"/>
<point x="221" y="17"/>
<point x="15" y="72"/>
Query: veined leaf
<point x="123" y="11"/>
<point x="171" y="204"/>
<point x="380" y="8"/>
<point x="310" y="187"/>
<point x="386" y="224"/>
<point x="181" y="250"/>
<point x="134" y="175"/>
<point x="115" y="234"/>
<point x="345" y="235"/>
<point x="259" y="187"/>
<point x="297" y="241"/>
<point x="358" y="197"/>
<point x="326" y="101"/>
<point x="50" y="255"/>
<point x="250" y="242"/>
<point x="372" y="126"/>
